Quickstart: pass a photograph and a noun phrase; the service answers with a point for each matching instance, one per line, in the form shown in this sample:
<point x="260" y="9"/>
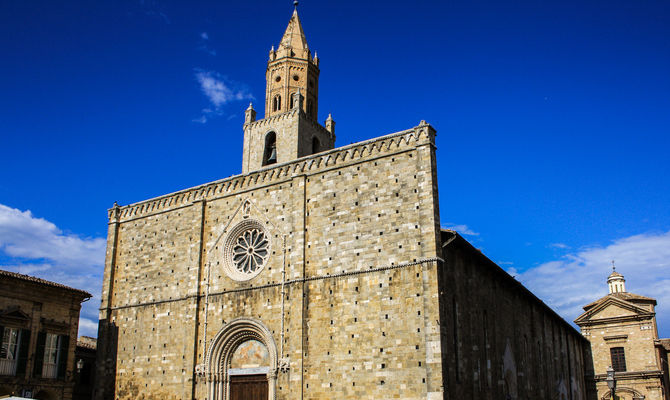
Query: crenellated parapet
<point x="393" y="143"/>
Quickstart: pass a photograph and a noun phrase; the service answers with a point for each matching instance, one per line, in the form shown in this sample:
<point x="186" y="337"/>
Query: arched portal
<point x="623" y="393"/>
<point x="224" y="358"/>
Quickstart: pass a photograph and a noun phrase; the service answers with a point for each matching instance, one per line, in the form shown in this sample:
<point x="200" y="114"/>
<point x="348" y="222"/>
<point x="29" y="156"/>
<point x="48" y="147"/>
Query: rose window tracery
<point x="246" y="250"/>
<point x="250" y="251"/>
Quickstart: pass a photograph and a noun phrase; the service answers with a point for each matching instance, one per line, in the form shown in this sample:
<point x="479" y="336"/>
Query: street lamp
<point x="611" y="382"/>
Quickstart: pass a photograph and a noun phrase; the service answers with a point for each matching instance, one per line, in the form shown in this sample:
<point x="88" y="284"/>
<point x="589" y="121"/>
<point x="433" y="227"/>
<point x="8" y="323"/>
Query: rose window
<point x="250" y="251"/>
<point x="246" y="250"/>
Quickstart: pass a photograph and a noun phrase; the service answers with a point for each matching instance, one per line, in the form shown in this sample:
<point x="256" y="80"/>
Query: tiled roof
<point x="87" y="342"/>
<point x="40" y="281"/>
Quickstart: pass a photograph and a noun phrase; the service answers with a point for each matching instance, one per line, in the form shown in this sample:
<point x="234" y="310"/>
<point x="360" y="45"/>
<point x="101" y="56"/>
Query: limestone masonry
<point x="318" y="273"/>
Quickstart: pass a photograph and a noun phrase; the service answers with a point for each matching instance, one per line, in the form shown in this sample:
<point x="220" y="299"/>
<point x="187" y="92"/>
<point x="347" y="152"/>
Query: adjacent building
<point x="85" y="355"/>
<point x="38" y="327"/>
<point x="320" y="272"/>
<point x="624" y="337"/>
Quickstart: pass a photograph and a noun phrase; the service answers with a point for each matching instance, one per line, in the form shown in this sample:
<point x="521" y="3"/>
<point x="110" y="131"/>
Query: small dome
<point x="614" y="274"/>
<point x="616" y="282"/>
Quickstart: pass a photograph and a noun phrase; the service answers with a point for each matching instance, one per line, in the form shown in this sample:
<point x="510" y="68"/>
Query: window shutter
<point x="2" y="336"/>
<point x="22" y="360"/>
<point x="63" y="343"/>
<point x="39" y="353"/>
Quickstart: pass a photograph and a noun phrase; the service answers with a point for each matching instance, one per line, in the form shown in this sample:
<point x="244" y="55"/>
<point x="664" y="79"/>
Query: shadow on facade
<point x="589" y="374"/>
<point x="108" y="339"/>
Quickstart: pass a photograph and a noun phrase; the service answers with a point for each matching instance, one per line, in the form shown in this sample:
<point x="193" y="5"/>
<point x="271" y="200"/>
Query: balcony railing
<point x="48" y="370"/>
<point x="7" y="367"/>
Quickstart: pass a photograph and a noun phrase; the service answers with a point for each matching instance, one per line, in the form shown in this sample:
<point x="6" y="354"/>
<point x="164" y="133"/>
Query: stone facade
<point x="624" y="322"/>
<point x="326" y="265"/>
<point x="38" y="329"/>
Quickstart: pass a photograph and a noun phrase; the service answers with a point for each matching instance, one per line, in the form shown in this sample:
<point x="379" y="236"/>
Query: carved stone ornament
<point x="246" y="209"/>
<point x="284" y="365"/>
<point x="246" y="250"/>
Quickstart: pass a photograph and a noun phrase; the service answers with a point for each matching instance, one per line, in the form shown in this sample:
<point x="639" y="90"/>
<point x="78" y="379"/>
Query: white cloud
<point x="36" y="247"/>
<point x="559" y="246"/>
<point x="203" y="46"/>
<point x="462" y="229"/>
<point x="88" y="326"/>
<point x="579" y="278"/>
<point x="22" y="235"/>
<point x="219" y="91"/>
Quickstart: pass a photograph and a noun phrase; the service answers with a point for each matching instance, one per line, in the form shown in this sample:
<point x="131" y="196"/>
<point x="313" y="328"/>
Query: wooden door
<point x="249" y="387"/>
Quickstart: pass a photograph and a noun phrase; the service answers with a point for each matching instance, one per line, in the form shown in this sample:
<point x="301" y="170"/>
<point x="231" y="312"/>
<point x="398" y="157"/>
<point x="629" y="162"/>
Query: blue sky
<point x="553" y="122"/>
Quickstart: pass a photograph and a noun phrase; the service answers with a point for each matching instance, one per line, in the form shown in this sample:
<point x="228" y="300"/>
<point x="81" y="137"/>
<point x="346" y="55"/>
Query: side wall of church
<point x="499" y="340"/>
<point x="353" y="236"/>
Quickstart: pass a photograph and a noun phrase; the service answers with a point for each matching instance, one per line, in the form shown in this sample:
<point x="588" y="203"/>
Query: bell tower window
<point x="276" y="103"/>
<point x="270" y="152"/>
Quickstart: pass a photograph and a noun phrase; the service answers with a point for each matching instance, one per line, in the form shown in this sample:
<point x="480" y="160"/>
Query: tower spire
<point x="294" y="43"/>
<point x="291" y="67"/>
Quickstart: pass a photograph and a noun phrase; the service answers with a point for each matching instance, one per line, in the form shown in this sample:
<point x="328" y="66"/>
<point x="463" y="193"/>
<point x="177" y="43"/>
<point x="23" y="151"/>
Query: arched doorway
<point x="242" y="362"/>
<point x="623" y="393"/>
<point x="249" y="367"/>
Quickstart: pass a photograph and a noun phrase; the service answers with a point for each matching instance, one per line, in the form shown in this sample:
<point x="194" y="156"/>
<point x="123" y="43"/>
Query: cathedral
<point x="319" y="272"/>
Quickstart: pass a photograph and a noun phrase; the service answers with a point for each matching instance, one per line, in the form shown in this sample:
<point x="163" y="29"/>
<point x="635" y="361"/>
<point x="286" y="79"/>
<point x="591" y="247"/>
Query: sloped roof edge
<point x="40" y="281"/>
<point x="453" y="238"/>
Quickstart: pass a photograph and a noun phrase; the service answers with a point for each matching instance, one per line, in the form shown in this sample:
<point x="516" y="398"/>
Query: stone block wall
<point x="294" y="138"/>
<point x="353" y="238"/>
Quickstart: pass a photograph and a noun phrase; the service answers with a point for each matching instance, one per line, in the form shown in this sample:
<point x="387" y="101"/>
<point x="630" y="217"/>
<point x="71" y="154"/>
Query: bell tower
<point x="289" y="129"/>
<point x="291" y="68"/>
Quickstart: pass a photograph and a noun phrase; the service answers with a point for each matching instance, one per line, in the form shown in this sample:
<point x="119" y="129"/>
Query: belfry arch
<point x="220" y="355"/>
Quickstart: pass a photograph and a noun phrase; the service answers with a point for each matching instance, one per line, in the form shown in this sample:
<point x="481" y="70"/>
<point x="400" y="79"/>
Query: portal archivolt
<point x="221" y="353"/>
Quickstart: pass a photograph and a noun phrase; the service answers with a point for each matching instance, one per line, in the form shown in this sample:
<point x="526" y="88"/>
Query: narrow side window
<point x="270" y="149"/>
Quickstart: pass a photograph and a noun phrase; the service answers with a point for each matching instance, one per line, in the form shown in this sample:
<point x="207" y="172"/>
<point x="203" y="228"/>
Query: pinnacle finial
<point x="613" y="266"/>
<point x="295" y="3"/>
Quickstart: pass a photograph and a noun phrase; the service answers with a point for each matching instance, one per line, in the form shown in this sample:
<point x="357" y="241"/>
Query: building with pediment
<point x="319" y="272"/>
<point x="623" y="334"/>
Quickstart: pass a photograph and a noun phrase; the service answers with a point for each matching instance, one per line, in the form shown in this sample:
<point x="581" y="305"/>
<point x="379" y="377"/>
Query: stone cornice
<point x="628" y="375"/>
<point x="625" y="318"/>
<point x="356" y="152"/>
